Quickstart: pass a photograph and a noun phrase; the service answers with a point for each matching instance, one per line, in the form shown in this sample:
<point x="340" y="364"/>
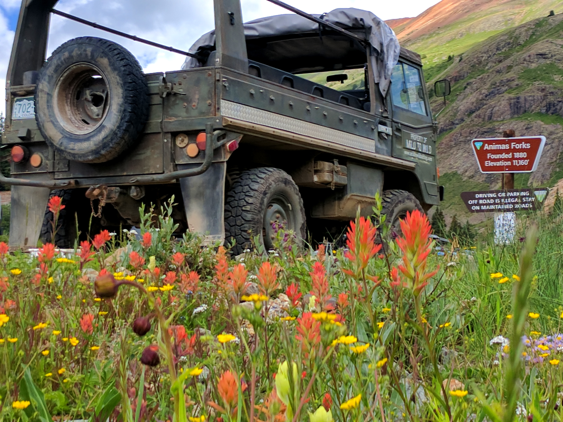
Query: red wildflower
<point x="85" y="253"/>
<point x="293" y="293"/>
<point x="103" y="271"/>
<point x="55" y="205"/>
<point x="46" y="253"/>
<point x="136" y="260"/>
<point x="147" y="240"/>
<point x="321" y="253"/>
<point x="86" y="323"/>
<point x="178" y="259"/>
<point x="100" y="239"/>
<point x="170" y="277"/>
<point x="36" y="279"/>
<point x="415" y="245"/>
<point x="222" y="266"/>
<point x="361" y="244"/>
<point x="228" y="389"/>
<point x="320" y="286"/>
<point x="3" y="284"/>
<point x="267" y="279"/>
<point x="309" y="332"/>
<point x="327" y="402"/>
<point x="237" y="281"/>
<point x="10" y="304"/>
<point x="178" y="332"/>
<point x="343" y="300"/>
<point x="4" y="248"/>
<point x="189" y="282"/>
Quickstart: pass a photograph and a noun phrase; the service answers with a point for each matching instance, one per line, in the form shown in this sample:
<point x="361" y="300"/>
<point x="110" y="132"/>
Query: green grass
<point x="548" y="119"/>
<point x="547" y="74"/>
<point x="455" y="185"/>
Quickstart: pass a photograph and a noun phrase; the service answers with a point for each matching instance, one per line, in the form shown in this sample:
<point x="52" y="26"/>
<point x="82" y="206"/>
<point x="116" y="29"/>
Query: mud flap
<point x="26" y="215"/>
<point x="204" y="198"/>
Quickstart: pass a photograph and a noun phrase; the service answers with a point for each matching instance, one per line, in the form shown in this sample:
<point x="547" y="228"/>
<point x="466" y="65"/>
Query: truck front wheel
<point x="396" y="203"/>
<point x="259" y="203"/>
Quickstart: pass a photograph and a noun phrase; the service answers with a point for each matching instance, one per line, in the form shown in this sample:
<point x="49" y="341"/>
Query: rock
<point x="114" y="257"/>
<point x="452" y="384"/>
<point x="247" y="305"/>
<point x="90" y="273"/>
<point x="252" y="289"/>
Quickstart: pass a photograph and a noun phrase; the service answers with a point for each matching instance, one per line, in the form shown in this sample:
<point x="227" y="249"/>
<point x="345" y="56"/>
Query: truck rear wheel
<point x="396" y="203"/>
<point x="259" y="201"/>
<point x="91" y="100"/>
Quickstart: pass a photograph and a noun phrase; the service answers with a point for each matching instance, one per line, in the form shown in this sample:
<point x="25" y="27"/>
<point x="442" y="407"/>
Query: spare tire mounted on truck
<point x="91" y="100"/>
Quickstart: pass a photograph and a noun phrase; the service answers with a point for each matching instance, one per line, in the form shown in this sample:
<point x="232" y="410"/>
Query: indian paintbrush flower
<point x="228" y="389"/>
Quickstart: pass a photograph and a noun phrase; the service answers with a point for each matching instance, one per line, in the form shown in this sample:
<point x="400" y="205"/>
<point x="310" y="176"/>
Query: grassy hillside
<point x="513" y="80"/>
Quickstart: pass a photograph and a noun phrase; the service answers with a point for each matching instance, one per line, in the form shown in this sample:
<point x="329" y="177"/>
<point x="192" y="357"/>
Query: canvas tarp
<point x="382" y="38"/>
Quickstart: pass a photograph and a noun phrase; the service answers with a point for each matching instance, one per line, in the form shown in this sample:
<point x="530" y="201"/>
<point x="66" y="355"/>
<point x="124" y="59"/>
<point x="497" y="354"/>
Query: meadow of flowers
<point x="147" y="327"/>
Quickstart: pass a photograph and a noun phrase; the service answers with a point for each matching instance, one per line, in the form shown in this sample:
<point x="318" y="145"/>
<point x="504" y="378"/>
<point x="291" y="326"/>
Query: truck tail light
<point x="201" y="141"/>
<point x="36" y="160"/>
<point x="232" y="146"/>
<point x="19" y="154"/>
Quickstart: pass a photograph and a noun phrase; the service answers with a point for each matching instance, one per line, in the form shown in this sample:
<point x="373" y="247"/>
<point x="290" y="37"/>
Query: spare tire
<point x="91" y="100"/>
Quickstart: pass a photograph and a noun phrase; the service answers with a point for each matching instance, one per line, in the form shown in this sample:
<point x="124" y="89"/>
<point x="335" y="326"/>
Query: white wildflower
<point x="199" y="309"/>
<point x="502" y="341"/>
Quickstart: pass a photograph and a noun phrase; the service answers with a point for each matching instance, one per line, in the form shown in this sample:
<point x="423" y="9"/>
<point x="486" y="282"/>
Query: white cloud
<point x="173" y="23"/>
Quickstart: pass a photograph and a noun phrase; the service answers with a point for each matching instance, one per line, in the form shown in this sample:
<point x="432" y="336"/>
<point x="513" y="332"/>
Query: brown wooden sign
<point x="504" y="200"/>
<point x="508" y="155"/>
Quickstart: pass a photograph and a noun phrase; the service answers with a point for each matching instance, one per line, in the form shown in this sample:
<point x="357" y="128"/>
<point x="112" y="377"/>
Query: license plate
<point x="24" y="108"/>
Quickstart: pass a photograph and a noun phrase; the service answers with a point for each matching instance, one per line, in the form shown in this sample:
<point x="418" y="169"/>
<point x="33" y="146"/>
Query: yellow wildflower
<point x="130" y="278"/>
<point x="544" y="355"/>
<point x="119" y="274"/>
<point x="40" y="326"/>
<point x="197" y="419"/>
<point x="506" y="349"/>
<point x="56" y="333"/>
<point x="380" y="324"/>
<point x="12" y="340"/>
<point x="524" y="354"/>
<point x="458" y="393"/>
<point x="102" y="313"/>
<point x="543" y="347"/>
<point x="359" y="349"/>
<point x="4" y="319"/>
<point x="254" y="298"/>
<point x="59" y="297"/>
<point x="2" y="341"/>
<point x="61" y="371"/>
<point x="45" y="353"/>
<point x="152" y="288"/>
<point x="66" y="380"/>
<point x="50" y="280"/>
<point x="554" y="362"/>
<point x="20" y="405"/>
<point x="95" y="348"/>
<point x="16" y="271"/>
<point x="352" y="403"/>
<point x="65" y="338"/>
<point x="534" y="315"/>
<point x="141" y="280"/>
<point x="97" y="299"/>
<point x="385" y="310"/>
<point x="345" y="340"/>
<point x="381" y="362"/>
<point x="515" y="277"/>
<point x="225" y="338"/>
<point x="196" y="372"/>
<point x="503" y="280"/>
<point x="496" y="275"/>
<point x="447" y="324"/>
<point x="288" y="318"/>
<point x="323" y="316"/>
<point x="74" y="341"/>
<point x="535" y="333"/>
<point x="167" y="287"/>
<point x="50" y="374"/>
<point x="509" y="316"/>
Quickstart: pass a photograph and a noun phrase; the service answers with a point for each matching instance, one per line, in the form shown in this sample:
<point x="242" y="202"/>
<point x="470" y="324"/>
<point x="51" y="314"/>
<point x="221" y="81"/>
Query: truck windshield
<point x="407" y="90"/>
<point x="355" y="79"/>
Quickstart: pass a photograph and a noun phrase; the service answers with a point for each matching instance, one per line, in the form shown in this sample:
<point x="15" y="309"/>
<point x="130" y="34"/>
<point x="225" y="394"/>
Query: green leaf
<point x="30" y="392"/>
<point x="140" y="395"/>
<point x="106" y="404"/>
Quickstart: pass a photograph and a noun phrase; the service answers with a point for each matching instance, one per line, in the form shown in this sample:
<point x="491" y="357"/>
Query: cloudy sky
<point x="177" y="23"/>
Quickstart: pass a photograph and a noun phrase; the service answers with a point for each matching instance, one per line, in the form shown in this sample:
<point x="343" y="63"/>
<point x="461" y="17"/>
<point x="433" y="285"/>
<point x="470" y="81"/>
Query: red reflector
<point x="233" y="145"/>
<point x="201" y="141"/>
<point x="18" y="154"/>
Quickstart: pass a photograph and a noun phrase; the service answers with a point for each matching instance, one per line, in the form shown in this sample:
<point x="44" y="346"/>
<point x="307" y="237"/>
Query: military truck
<point x="292" y="121"/>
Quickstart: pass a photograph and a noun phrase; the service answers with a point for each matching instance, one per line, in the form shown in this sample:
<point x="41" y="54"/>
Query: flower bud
<point x="106" y="286"/>
<point x="141" y="326"/>
<point x="150" y="356"/>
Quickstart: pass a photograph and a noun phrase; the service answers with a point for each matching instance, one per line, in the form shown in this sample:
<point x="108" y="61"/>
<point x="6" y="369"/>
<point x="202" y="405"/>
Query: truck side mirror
<point x="442" y="88"/>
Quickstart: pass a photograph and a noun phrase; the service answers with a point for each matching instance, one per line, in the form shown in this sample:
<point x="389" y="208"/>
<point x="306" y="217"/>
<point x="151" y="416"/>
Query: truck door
<point x="413" y="130"/>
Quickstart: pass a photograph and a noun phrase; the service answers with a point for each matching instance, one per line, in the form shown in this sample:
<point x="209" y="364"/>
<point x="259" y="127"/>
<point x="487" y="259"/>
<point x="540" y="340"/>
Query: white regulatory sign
<point x="24" y="108"/>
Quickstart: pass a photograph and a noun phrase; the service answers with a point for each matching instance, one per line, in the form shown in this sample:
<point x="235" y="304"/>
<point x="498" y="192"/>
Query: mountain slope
<point x="513" y="80"/>
<point x="451" y="27"/>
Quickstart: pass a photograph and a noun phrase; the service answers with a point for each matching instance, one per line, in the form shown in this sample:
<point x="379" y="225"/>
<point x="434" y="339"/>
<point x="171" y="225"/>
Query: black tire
<point x="257" y="196"/>
<point x="396" y="203"/>
<point x="91" y="100"/>
<point x="66" y="224"/>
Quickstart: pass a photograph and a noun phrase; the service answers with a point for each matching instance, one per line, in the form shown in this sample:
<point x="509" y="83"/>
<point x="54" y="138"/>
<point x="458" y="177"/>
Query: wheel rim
<point x="278" y="215"/>
<point x="81" y="99"/>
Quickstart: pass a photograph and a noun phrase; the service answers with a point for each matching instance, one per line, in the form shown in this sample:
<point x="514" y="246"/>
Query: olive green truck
<point x="292" y="121"/>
